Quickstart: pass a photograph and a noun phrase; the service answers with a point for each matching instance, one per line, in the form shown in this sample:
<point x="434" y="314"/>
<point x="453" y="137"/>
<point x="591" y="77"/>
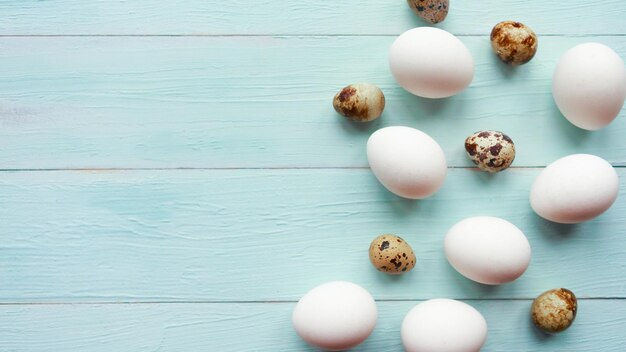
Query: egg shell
<point x="487" y="249"/>
<point x="362" y="102"/>
<point x="554" y="310"/>
<point x="574" y="189"/>
<point x="391" y="254"/>
<point x="431" y="63"/>
<point x="408" y="162"/>
<point x="433" y="11"/>
<point x="514" y="42"/>
<point x="335" y="316"/>
<point x="491" y="151"/>
<point x="589" y="85"/>
<point x="443" y="325"/>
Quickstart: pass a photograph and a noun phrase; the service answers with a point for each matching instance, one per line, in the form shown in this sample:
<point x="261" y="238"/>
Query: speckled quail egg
<point x="491" y="151"/>
<point x="433" y="11"/>
<point x="513" y="42"/>
<point x="554" y="310"/>
<point x="362" y="102"/>
<point x="391" y="254"/>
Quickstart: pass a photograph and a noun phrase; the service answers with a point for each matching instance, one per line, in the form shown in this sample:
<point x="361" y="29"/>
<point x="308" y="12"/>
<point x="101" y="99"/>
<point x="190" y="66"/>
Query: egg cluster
<point x="589" y="88"/>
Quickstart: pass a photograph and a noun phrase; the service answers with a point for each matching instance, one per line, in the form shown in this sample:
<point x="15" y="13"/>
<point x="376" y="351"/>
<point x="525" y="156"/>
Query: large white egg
<point x="487" y="249"/>
<point x="589" y="85"/>
<point x="443" y="325"/>
<point x="431" y="63"/>
<point x="335" y="316"/>
<point x="574" y="189"/>
<point x="408" y="162"/>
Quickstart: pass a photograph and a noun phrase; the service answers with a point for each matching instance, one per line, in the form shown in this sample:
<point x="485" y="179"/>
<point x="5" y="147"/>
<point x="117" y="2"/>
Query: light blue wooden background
<point x="173" y="176"/>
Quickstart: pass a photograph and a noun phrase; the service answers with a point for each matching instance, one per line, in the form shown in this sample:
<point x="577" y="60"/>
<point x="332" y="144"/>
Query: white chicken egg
<point x="408" y="162"/>
<point x="574" y="189"/>
<point x="487" y="249"/>
<point x="589" y="85"/>
<point x="431" y="63"/>
<point x="443" y="325"/>
<point x="335" y="316"/>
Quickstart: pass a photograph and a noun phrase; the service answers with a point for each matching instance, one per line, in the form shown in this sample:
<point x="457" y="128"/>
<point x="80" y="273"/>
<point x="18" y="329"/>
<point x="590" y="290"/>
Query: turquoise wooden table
<point x="174" y="176"/>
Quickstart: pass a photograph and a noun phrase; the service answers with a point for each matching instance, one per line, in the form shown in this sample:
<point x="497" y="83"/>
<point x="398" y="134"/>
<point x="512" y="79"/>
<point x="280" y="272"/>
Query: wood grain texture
<point x="260" y="102"/>
<point x="267" y="235"/>
<point x="213" y="259"/>
<point x="267" y="327"/>
<point x="214" y="17"/>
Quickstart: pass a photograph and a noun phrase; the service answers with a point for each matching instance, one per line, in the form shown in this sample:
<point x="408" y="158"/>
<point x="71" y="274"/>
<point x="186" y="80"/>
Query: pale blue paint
<point x="94" y="260"/>
<point x="267" y="327"/>
<point x="219" y="17"/>
<point x="260" y="102"/>
<point x="266" y="235"/>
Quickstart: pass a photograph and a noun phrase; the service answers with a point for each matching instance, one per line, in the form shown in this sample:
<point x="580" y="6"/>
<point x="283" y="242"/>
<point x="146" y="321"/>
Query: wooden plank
<point x="599" y="326"/>
<point x="28" y="17"/>
<point x="257" y="235"/>
<point x="128" y="102"/>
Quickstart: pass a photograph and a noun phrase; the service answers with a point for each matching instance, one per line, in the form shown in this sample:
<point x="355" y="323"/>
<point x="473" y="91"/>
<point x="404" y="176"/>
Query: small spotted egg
<point x="362" y="102"/>
<point x="491" y="151"/>
<point x="555" y="310"/>
<point x="391" y="254"/>
<point x="514" y="42"/>
<point x="433" y="11"/>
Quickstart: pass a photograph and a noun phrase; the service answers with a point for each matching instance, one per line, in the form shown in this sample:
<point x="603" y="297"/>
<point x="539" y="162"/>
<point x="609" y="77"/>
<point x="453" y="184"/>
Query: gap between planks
<point x="283" y="35"/>
<point x="240" y="168"/>
<point x="85" y="303"/>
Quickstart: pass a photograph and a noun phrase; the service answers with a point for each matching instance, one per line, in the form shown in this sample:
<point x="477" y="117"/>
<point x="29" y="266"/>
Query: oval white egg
<point x="335" y="316"/>
<point x="488" y="250"/>
<point x="431" y="63"/>
<point x="589" y="85"/>
<point x="408" y="162"/>
<point x="574" y="189"/>
<point x="443" y="325"/>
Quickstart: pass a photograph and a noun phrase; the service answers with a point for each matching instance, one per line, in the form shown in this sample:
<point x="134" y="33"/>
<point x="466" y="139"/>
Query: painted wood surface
<point x="354" y="17"/>
<point x="260" y="102"/>
<point x="262" y="327"/>
<point x="136" y="252"/>
<point x="271" y="235"/>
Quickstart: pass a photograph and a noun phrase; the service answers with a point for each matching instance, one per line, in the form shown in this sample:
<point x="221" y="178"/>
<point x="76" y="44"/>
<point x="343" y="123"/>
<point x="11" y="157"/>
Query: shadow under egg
<point x="555" y="231"/>
<point x="506" y="70"/>
<point x="470" y="286"/>
<point x="417" y="106"/>
<point x="575" y="135"/>
<point x="351" y="127"/>
<point x="483" y="176"/>
<point x="538" y="334"/>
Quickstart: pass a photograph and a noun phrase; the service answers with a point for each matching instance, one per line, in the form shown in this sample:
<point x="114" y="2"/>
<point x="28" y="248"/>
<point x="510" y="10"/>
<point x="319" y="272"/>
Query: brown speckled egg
<point x="555" y="310"/>
<point x="391" y="254"/>
<point x="360" y="102"/>
<point x="433" y="11"/>
<point x="491" y="151"/>
<point x="514" y="42"/>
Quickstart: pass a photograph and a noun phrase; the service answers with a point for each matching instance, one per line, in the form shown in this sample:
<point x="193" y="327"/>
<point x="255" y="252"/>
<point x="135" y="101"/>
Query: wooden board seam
<point x="274" y="301"/>
<point x="282" y="35"/>
<point x="617" y="166"/>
